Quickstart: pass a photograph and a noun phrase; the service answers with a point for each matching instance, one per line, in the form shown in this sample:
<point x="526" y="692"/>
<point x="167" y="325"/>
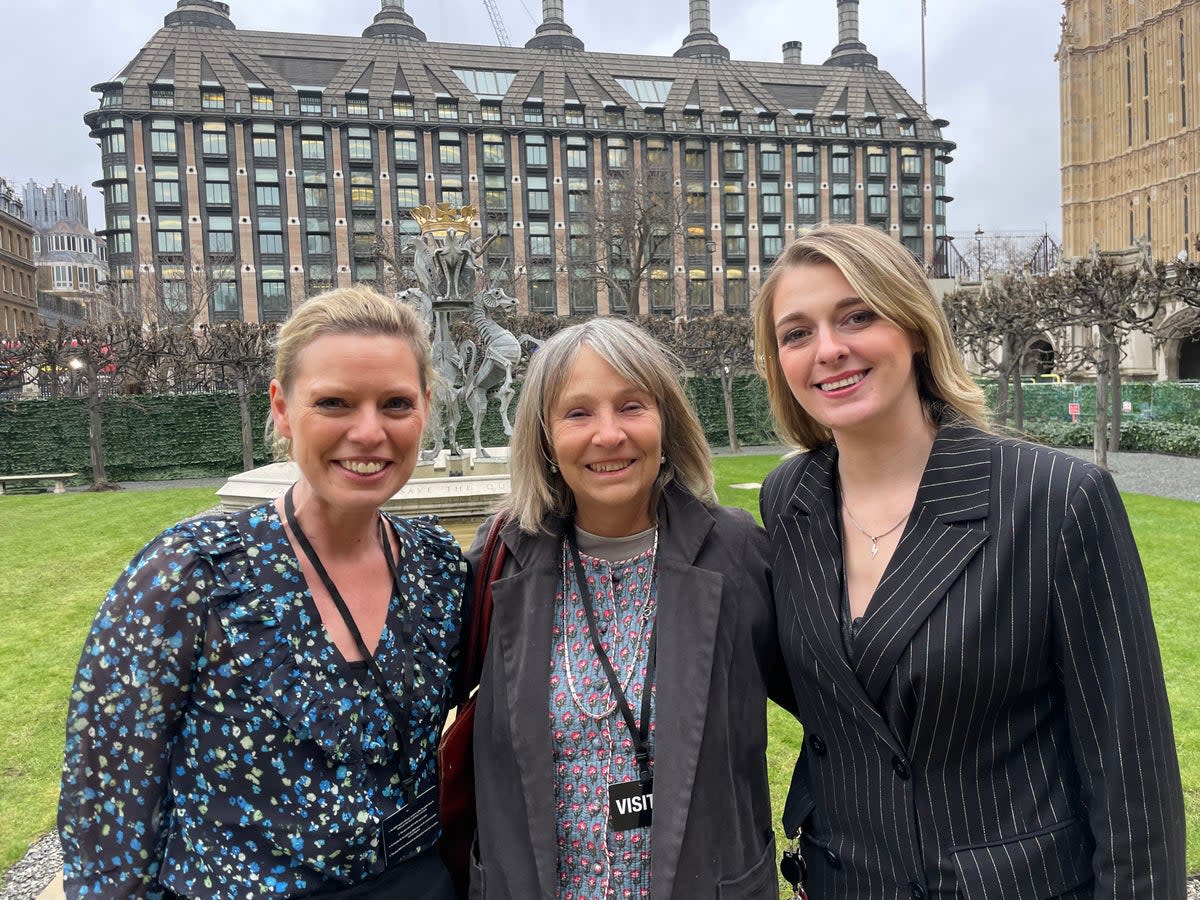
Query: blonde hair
<point x="539" y="493"/>
<point x="887" y="279"/>
<point x="351" y="310"/>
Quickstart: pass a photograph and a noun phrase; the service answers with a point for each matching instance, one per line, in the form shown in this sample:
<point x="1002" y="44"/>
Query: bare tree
<point x="1114" y="294"/>
<point x="243" y="351"/>
<point x="720" y="345"/>
<point x="995" y="324"/>
<point x="635" y="218"/>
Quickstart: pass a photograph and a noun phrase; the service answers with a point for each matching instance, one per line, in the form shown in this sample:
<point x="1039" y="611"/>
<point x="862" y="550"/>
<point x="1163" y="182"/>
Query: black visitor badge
<point x="630" y="805"/>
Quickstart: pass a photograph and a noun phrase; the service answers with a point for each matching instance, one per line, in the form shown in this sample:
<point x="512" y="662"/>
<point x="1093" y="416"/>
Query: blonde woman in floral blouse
<point x="258" y="703"/>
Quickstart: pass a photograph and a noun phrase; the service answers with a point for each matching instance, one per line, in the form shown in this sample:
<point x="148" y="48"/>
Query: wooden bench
<point x="59" y="479"/>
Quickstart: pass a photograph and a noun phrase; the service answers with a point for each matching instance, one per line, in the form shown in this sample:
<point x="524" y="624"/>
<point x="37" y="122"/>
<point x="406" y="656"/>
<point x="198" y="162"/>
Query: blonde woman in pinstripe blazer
<point x="964" y="616"/>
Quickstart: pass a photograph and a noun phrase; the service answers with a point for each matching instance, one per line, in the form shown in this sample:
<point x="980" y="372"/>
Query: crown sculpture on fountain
<point x="449" y="266"/>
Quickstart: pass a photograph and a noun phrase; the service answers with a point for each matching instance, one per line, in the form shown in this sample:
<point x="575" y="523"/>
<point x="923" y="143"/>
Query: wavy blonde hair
<point x="352" y="310"/>
<point x="887" y="279"/>
<point x="539" y="493"/>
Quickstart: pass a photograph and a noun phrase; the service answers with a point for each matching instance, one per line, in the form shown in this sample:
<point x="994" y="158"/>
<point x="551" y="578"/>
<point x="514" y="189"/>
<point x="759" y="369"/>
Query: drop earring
<point x="553" y="469"/>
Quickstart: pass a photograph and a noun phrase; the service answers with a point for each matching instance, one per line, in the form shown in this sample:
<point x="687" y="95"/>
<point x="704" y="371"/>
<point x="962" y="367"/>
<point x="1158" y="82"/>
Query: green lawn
<point x="60" y="553"/>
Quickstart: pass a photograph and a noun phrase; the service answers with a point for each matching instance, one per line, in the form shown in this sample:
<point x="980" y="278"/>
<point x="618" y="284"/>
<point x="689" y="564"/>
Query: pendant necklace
<point x="875" y="538"/>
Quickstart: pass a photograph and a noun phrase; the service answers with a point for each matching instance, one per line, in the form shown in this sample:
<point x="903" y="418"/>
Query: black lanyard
<point x="639" y="731"/>
<point x="399" y="713"/>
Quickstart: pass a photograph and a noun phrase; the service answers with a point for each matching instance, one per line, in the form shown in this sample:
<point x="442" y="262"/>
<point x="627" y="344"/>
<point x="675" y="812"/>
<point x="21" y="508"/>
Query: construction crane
<point x="497" y="23"/>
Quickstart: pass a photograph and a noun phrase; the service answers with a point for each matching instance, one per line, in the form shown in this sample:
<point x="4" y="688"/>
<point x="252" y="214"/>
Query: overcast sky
<point x="991" y="73"/>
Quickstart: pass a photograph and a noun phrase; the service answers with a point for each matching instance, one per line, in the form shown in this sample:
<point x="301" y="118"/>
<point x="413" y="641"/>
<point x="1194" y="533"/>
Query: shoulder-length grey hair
<point x="537" y="492"/>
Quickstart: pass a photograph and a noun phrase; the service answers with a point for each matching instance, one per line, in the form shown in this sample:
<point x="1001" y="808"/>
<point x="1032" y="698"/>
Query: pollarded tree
<point x="996" y="323"/>
<point x="1110" y="295"/>
<point x="720" y="345"/>
<point x="243" y="352"/>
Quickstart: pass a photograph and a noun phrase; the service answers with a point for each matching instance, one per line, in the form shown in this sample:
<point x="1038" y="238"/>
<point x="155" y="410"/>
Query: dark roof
<point x="243" y="60"/>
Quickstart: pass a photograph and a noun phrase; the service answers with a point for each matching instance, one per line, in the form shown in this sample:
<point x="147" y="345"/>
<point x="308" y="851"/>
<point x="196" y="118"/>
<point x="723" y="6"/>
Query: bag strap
<point x="491" y="563"/>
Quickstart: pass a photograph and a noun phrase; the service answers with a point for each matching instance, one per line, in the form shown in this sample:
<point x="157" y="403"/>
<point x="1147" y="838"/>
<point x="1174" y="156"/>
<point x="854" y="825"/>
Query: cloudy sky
<point x="991" y="73"/>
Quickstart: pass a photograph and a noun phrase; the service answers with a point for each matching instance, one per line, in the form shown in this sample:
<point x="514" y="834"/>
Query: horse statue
<point x="490" y="364"/>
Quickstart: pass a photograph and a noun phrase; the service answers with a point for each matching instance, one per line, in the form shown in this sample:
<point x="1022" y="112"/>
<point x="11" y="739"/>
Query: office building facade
<point x="252" y="169"/>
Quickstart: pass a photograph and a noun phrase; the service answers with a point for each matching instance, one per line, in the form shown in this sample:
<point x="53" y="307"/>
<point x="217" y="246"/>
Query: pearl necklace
<point x="644" y="615"/>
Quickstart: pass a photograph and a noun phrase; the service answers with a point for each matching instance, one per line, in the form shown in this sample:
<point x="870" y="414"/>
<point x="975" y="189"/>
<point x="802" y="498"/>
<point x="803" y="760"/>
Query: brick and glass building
<point x="18" y="274"/>
<point x="272" y="165"/>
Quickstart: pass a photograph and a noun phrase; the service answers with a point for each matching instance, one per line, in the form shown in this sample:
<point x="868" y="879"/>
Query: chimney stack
<point x="850" y="51"/>
<point x="792" y="51"/>
<point x="700" y="40"/>
<point x="393" y="23"/>
<point x="554" y="33"/>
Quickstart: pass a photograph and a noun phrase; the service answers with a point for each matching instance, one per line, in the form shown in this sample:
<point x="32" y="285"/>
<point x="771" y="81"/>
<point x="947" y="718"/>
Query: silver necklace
<point x="874" y="537"/>
<point x="644" y="616"/>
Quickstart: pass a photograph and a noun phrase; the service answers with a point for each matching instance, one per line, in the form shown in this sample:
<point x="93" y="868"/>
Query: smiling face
<point x="606" y="438"/>
<point x="354" y="413"/>
<point x="848" y="367"/>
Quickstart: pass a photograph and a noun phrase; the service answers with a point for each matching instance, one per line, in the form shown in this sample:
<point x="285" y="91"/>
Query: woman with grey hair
<point x="621" y="731"/>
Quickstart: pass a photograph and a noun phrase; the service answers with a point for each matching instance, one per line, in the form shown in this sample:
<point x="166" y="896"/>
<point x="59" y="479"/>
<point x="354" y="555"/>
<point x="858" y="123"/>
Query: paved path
<point x="1139" y="473"/>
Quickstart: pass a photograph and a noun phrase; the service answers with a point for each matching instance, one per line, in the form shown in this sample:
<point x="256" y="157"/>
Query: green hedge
<point x="1136" y="436"/>
<point x="1159" y="400"/>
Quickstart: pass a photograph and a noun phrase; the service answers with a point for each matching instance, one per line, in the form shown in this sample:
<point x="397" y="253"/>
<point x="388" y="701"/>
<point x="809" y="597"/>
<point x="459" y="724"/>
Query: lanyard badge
<point x="630" y="803"/>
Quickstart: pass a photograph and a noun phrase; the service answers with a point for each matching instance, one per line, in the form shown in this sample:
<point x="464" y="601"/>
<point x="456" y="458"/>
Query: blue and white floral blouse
<point x="219" y="744"/>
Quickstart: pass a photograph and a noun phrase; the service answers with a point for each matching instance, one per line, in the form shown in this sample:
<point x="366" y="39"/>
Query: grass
<point x="60" y="553"/>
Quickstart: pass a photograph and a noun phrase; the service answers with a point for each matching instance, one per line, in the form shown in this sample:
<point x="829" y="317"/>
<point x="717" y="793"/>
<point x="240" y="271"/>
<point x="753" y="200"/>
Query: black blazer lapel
<point x="945" y="532"/>
<point x="816" y="560"/>
<point x="521" y="633"/>
<point x="689" y="614"/>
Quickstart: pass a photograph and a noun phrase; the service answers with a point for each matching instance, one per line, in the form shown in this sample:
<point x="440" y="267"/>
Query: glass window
<point x="274" y="301"/>
<point x="225" y="301"/>
<point x="730" y="121"/>
<point x="114" y="143"/>
<point x="577" y="156"/>
<point x="220" y="242"/>
<point x="310" y="103"/>
<point x="357" y="105"/>
<point x="264" y="146"/>
<point x="447" y="110"/>
<point x="733" y="156"/>
<point x="317" y="243"/>
<point x="216" y="194"/>
<point x="614" y="116"/>
<point x="540" y="242"/>
<point x="771" y="159"/>
<point x="647" y="90"/>
<point x="162" y="136"/>
<point x="212" y="98"/>
<point x="359" y="144"/>
<point x="533" y="114"/>
<point x="408" y="193"/>
<point x="539" y="195"/>
<point x="312" y="148"/>
<point x="693" y="155"/>
<point x="166" y="192"/>
<point x="493" y="148"/>
<point x="573" y="115"/>
<point x="262" y="101"/>
<point x="162" y="95"/>
<point x="404" y="145"/>
<point x="402" y="106"/>
<point x="877" y="206"/>
<point x="766" y="124"/>
<point x="212" y="139"/>
<point x="486" y="83"/>
<point x="877" y="161"/>
<point x="657" y="156"/>
<point x="804" y="124"/>
<point x="535" y="150"/>
<point x="737" y="296"/>
<point x="450" y="151"/>
<point x="693" y="119"/>
<point x="618" y="153"/>
<point x="495" y="195"/>
<point x="910" y="162"/>
<point x="112" y="97"/>
<point x="122" y="242"/>
<point x="489" y="112"/>
<point x="314" y="197"/>
<point x="170" y="241"/>
<point x="837" y="126"/>
<point x="735" y="200"/>
<point x="266" y="194"/>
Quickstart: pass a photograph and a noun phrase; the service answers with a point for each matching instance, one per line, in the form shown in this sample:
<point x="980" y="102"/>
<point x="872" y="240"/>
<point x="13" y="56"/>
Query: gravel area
<point x="1139" y="473"/>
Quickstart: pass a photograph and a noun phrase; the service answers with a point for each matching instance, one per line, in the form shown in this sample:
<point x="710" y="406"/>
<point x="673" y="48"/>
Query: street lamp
<point x="979" y="251"/>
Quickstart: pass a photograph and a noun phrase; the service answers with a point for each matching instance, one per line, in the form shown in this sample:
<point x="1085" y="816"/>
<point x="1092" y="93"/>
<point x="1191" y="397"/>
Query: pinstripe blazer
<point x="1004" y="730"/>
